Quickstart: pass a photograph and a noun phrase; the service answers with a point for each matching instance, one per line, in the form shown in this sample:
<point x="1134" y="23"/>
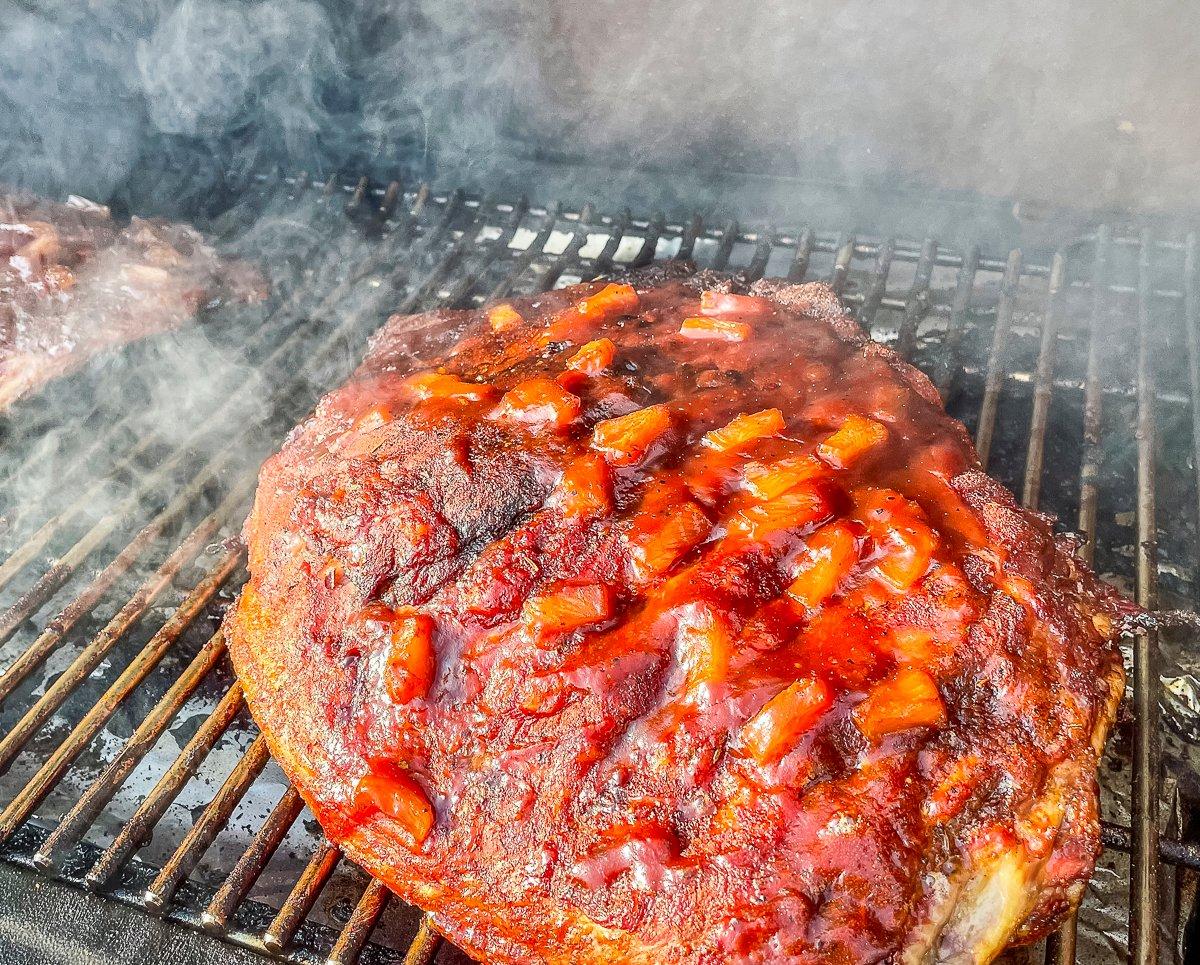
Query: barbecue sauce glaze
<point x="687" y="611"/>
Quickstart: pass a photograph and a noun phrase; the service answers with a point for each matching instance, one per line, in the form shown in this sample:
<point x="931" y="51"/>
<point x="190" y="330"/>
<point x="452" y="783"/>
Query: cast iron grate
<point x="1077" y="370"/>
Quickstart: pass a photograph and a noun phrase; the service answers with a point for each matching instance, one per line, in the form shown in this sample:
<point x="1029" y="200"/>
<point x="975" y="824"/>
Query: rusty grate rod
<point x="762" y="254"/>
<point x="77" y="820"/>
<point x="1093" y="400"/>
<point x="604" y="260"/>
<point x="1043" y="387"/>
<point x="301" y="898"/>
<point x="650" y="240"/>
<point x="841" y="264"/>
<point x="33" y="544"/>
<point x="91" y="595"/>
<point x="357" y="930"/>
<point x="1191" y="315"/>
<point x="459" y="292"/>
<point x="53" y="578"/>
<point x="424" y="944"/>
<point x="687" y="241"/>
<point x="729" y="236"/>
<point x="916" y="304"/>
<point x="139" y="828"/>
<point x="800" y="260"/>
<point x="878" y="287"/>
<point x="994" y="380"/>
<point x="250" y="865"/>
<point x="950" y="361"/>
<point x="87" y="659"/>
<point x="206" y="828"/>
<point x="90" y="725"/>
<point x="545" y="279"/>
<point x="1060" y="946"/>
<point x="527" y="257"/>
<point x="1143" y="926"/>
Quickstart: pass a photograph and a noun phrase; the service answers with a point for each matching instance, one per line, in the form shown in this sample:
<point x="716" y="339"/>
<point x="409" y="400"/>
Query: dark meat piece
<point x="664" y="624"/>
<point x="73" y="284"/>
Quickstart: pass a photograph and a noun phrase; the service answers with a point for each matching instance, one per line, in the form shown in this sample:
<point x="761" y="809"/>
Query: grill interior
<point x="129" y="764"/>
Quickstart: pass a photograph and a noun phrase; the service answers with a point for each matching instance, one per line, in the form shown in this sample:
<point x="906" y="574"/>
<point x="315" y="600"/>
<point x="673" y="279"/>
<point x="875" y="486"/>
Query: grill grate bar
<point x="762" y="254"/>
<point x="252" y="862"/>
<point x="917" y="302"/>
<point x="841" y="264"/>
<point x="687" y="241"/>
<point x="879" y="278"/>
<point x="89" y="726"/>
<point x="91" y="655"/>
<point x="949" y="366"/>
<point x="362" y="922"/>
<point x="728" y="236"/>
<point x="140" y="826"/>
<point x="800" y="260"/>
<point x="1093" y="400"/>
<point x="1043" y="387"/>
<point x="301" y="898"/>
<point x="76" y="821"/>
<point x="86" y="601"/>
<point x="1060" y="946"/>
<point x="1191" y="309"/>
<point x="424" y="945"/>
<point x="191" y="849"/>
<point x="1144" y="884"/>
<point x="58" y="574"/>
<point x="522" y="262"/>
<point x="994" y="379"/>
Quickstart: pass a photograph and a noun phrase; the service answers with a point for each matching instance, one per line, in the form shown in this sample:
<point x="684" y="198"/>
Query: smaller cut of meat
<point x="74" y="283"/>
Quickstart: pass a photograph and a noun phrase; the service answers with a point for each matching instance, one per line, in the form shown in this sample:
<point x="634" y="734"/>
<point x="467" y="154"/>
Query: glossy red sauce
<point x="676" y="608"/>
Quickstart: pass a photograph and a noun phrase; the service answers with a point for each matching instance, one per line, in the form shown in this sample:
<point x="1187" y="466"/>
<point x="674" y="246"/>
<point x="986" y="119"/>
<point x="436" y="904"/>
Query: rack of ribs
<point x="674" y="621"/>
<point x="74" y="283"/>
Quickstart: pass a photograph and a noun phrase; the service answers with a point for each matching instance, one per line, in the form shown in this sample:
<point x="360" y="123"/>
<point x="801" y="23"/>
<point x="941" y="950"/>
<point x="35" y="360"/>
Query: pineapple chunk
<point x="503" y="318"/>
<point x="540" y="401"/>
<point x="435" y="385"/>
<point x="831" y="552"/>
<point x="653" y="551"/>
<point x="855" y="437"/>
<point x="609" y="302"/>
<point x="795" y="509"/>
<point x="768" y="480"/>
<point x="744" y="429"/>
<point x="392" y="791"/>
<point x="785" y="718"/>
<point x="411" y="661"/>
<point x="594" y="357"/>
<point x="568" y="609"/>
<point x="719" y="329"/>
<point x="627" y="440"/>
<point x="908" y="698"/>
<point x="726" y="303"/>
<point x="705" y="645"/>
<point x="585" y="489"/>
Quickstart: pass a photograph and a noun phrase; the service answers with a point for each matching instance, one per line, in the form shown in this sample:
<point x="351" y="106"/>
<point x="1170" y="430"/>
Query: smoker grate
<point x="1078" y="371"/>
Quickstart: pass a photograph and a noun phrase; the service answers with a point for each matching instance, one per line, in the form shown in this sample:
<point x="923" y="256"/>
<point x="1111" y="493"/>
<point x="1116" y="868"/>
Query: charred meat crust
<point x="687" y="648"/>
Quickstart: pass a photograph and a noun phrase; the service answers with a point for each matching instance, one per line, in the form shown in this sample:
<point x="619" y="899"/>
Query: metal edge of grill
<point x="454" y="249"/>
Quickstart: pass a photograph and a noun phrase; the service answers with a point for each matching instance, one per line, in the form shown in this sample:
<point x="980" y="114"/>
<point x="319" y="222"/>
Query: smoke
<point x="1041" y="100"/>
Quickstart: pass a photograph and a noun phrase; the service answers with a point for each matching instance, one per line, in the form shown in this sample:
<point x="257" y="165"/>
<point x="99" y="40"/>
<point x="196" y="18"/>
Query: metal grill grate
<point x="1078" y="371"/>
